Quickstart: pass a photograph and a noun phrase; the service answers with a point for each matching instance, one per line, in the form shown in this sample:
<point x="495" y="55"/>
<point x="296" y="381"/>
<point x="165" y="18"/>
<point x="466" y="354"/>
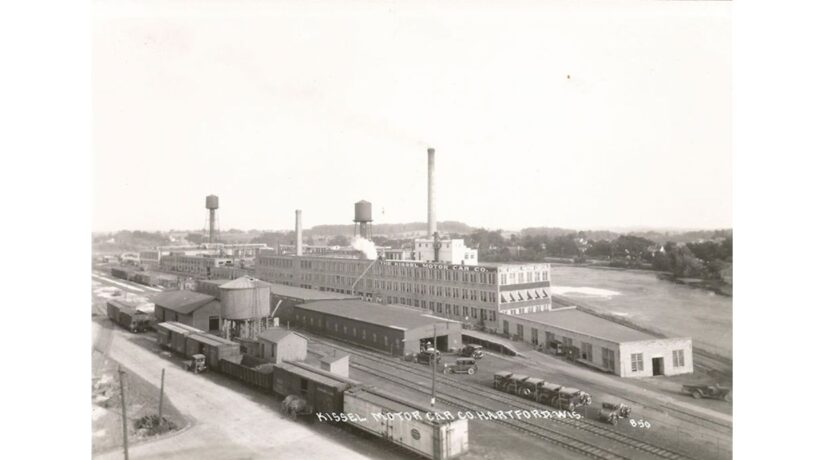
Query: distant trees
<point x="339" y="240"/>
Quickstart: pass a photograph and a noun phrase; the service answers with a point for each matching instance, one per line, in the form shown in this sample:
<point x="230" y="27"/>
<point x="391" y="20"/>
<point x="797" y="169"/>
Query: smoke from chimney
<point x="432" y="226"/>
<point x="366" y="247"/>
<point x="298" y="233"/>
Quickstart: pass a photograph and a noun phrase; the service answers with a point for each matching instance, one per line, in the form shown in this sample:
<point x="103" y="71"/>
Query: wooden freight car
<point x="213" y="347"/>
<point x="249" y="370"/>
<point x="173" y="335"/>
<point x="128" y="317"/>
<point x="322" y="392"/>
<point x="438" y="440"/>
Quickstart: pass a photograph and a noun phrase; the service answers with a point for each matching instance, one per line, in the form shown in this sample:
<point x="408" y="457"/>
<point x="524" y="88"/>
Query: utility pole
<point x="434" y="360"/>
<point x="123" y="410"/>
<point x="160" y="406"/>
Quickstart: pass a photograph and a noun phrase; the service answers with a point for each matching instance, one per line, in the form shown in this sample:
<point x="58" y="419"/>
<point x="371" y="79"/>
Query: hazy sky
<point x="572" y="114"/>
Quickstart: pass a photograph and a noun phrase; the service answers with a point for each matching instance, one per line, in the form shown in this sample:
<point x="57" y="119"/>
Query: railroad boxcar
<point x="128" y="317"/>
<point x="213" y="347"/>
<point x="438" y="440"/>
<point x="173" y="335"/>
<point x="321" y="392"/>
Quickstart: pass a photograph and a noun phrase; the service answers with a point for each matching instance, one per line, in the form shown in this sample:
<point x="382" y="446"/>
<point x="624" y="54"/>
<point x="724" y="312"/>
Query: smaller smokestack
<point x="298" y="233"/>
<point x="432" y="226"/>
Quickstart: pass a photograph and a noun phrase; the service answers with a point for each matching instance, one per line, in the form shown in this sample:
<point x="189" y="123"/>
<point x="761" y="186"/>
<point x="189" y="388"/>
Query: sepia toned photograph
<point x="403" y="230"/>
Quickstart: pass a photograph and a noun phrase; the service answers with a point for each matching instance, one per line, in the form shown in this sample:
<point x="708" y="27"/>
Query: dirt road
<point x="226" y="424"/>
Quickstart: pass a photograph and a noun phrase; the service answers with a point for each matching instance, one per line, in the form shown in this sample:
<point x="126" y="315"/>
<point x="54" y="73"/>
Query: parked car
<point x="472" y="351"/>
<point x="571" y="398"/>
<point x="709" y="391"/>
<point x="612" y="412"/>
<point x="426" y="357"/>
<point x="461" y="366"/>
<point x="197" y="364"/>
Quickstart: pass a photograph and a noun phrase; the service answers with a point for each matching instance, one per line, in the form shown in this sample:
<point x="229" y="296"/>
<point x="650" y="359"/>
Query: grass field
<point x="674" y="309"/>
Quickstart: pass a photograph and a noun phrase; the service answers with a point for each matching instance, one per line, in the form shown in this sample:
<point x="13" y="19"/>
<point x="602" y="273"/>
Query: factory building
<point x="192" y="265"/>
<point x="451" y="251"/>
<point x="390" y="329"/>
<point x="284" y="298"/>
<point x="601" y="343"/>
<point x="231" y="272"/>
<point x="194" y="309"/>
<point x="472" y="294"/>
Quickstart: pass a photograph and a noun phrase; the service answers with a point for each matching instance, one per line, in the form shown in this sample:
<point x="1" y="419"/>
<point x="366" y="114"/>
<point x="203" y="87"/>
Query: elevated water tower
<point x="212" y="205"/>
<point x="363" y="219"/>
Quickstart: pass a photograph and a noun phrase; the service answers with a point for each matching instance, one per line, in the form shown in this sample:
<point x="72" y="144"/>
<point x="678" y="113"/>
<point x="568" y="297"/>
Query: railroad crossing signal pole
<point x="160" y="406"/>
<point x="434" y="360"/>
<point x="123" y="410"/>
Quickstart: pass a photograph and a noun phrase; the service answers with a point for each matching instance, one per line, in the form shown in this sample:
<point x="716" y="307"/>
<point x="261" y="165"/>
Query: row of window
<point x="352" y="332"/>
<point x="460" y="312"/>
<point x="524" y="277"/>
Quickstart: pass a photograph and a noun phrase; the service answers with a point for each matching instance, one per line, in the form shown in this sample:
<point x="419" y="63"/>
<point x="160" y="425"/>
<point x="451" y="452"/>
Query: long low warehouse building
<point x="387" y="328"/>
<point x="601" y="343"/>
<point x="284" y="298"/>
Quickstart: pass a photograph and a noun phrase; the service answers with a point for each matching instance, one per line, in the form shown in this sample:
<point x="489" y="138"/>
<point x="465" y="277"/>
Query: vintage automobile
<point x="514" y="382"/>
<point x="612" y="412"/>
<point x="548" y="392"/>
<point x="530" y="387"/>
<point x="571" y="399"/>
<point x="461" y="366"/>
<point x="472" y="351"/>
<point x="197" y="364"/>
<point x="709" y="391"/>
<point x="500" y="380"/>
<point x="427" y="356"/>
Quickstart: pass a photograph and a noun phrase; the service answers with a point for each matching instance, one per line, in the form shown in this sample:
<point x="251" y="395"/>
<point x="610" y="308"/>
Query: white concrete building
<point x="601" y="343"/>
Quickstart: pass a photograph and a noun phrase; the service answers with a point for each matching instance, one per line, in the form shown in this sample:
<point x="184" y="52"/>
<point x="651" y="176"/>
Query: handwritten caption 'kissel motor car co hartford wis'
<point x="448" y="415"/>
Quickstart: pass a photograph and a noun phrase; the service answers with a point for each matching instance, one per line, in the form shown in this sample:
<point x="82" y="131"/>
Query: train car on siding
<point x="438" y="440"/>
<point x="322" y="392"/>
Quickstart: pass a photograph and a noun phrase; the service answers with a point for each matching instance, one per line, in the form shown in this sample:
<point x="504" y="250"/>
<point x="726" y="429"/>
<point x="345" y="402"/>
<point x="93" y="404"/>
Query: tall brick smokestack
<point x="298" y="233"/>
<point x="431" y="219"/>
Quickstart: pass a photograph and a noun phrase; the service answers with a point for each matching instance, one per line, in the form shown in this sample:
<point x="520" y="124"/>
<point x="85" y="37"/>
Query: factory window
<point x="431" y="306"/>
<point x="637" y="361"/>
<point x="492" y="316"/>
<point x="586" y="351"/>
<point x="678" y="358"/>
<point x="440" y="307"/>
<point x="465" y="312"/>
<point x="520" y="330"/>
<point x="474" y="312"/>
<point x="417" y="303"/>
<point x="354" y="332"/>
<point x="608" y="357"/>
<point x="534" y="336"/>
<point x="448" y="309"/>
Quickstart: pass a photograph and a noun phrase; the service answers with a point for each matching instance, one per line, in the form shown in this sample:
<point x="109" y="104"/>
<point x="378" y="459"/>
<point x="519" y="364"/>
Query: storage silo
<point x="244" y="307"/>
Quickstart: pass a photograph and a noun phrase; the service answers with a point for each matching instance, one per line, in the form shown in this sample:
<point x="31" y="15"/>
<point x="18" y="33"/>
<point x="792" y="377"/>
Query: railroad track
<point x="580" y="424"/>
<point x="553" y="436"/>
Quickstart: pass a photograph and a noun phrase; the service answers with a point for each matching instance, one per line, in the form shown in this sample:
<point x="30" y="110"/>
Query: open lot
<point x="674" y="309"/>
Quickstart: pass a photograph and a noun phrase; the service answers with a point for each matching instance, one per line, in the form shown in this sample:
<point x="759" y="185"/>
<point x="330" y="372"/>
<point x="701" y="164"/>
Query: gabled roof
<point x="181" y="301"/>
<point x="244" y="282"/>
<point x="275" y="334"/>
